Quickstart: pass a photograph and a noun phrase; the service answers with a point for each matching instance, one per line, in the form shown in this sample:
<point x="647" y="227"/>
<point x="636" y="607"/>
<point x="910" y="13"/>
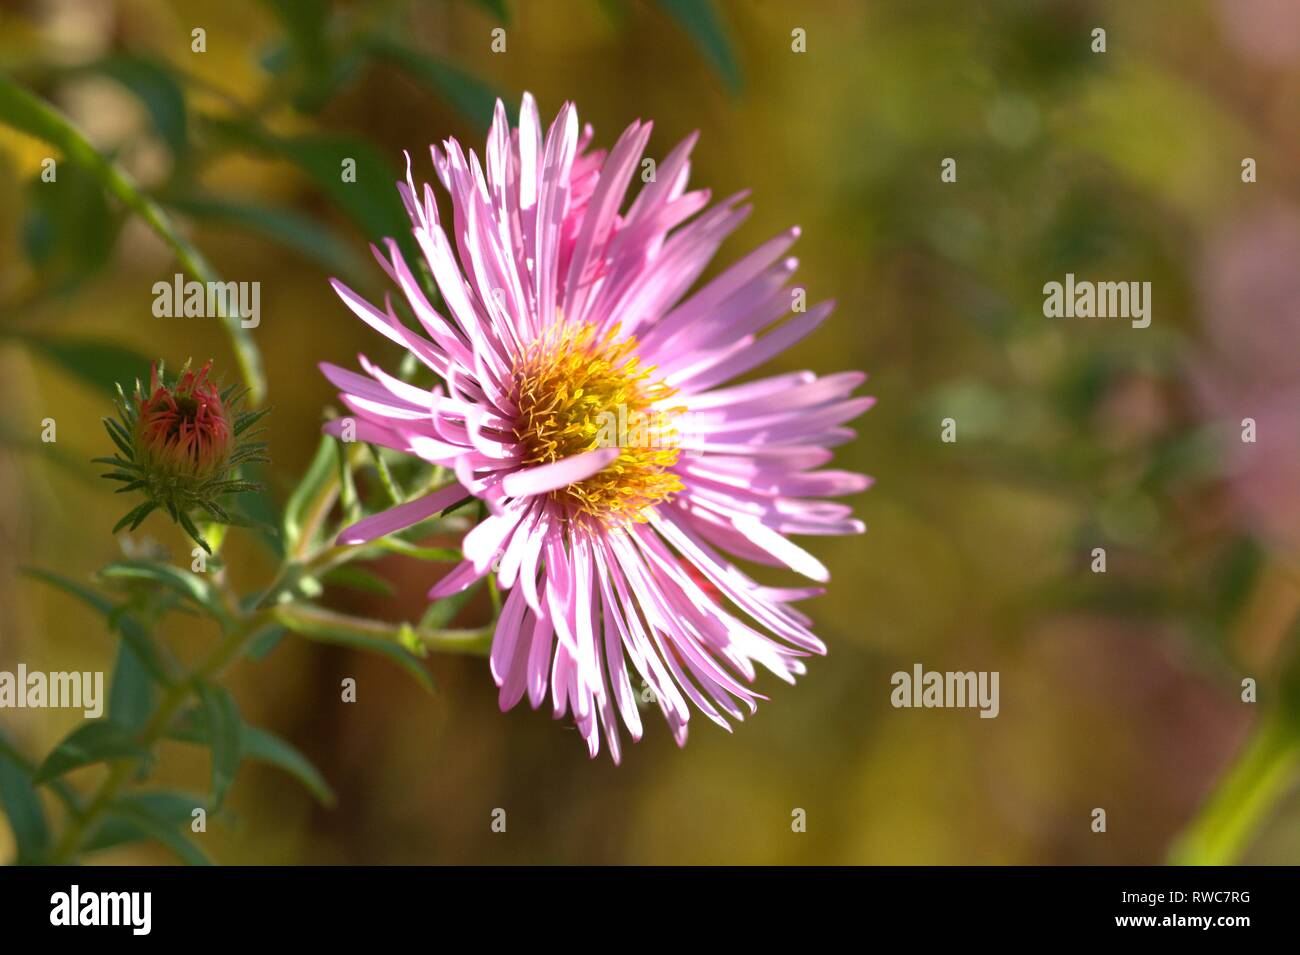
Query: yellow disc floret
<point x="579" y="390"/>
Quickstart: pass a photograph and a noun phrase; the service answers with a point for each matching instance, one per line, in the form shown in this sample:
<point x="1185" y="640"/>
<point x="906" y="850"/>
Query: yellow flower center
<point x="579" y="391"/>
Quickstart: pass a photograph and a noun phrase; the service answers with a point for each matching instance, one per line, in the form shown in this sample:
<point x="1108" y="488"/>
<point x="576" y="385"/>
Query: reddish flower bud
<point x="180" y="445"/>
<point x="183" y="431"/>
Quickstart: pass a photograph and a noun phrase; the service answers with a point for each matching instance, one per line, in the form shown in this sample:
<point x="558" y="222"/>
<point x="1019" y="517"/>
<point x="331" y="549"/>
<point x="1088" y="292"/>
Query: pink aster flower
<point x="565" y="314"/>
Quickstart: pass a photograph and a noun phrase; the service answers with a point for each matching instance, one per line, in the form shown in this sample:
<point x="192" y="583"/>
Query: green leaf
<point x="129" y="628"/>
<point x="190" y="586"/>
<point x="80" y="591"/>
<point x="93" y="743"/>
<point x="66" y="793"/>
<point x="268" y="748"/>
<point x="166" y="808"/>
<point x="371" y="201"/>
<point x="245" y="421"/>
<point x="306" y="23"/>
<point x="117" y="462"/>
<point x="22" y="806"/>
<point x="312" y="240"/>
<point x="69" y="231"/>
<point x="700" y="20"/>
<point x="134" y="633"/>
<point x="218" y="514"/>
<point x="1245" y="794"/>
<point x="153" y="83"/>
<point x="152" y="816"/>
<point x="31" y="115"/>
<point x="233" y="486"/>
<point x="190" y="528"/>
<point x="260" y="511"/>
<point x="117" y="431"/>
<point x="132" y="518"/>
<point x="134" y="692"/>
<point x="224" y="731"/>
<point x="399" y="546"/>
<point x="325" y="626"/>
<point x="497" y="8"/>
<point x="358" y="578"/>
<point x="96" y="362"/>
<point x="470" y="96"/>
<point x="261" y="746"/>
<point x="262" y="643"/>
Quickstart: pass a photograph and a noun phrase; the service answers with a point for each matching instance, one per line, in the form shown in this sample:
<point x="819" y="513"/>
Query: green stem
<point x="312" y="620"/>
<point x="1269" y="763"/>
<point x="312" y="565"/>
<point x="1262" y="774"/>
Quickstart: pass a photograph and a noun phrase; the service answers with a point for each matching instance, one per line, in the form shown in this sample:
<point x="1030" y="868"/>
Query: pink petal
<point x="558" y="474"/>
<point x="404" y="515"/>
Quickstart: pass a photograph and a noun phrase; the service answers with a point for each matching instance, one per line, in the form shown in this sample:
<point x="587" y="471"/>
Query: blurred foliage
<point x="1121" y="689"/>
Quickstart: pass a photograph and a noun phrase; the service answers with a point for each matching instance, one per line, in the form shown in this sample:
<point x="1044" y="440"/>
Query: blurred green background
<point x="1119" y="691"/>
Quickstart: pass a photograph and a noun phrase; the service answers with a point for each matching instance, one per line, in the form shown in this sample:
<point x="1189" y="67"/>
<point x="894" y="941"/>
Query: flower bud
<point x="183" y="434"/>
<point x="181" y="443"/>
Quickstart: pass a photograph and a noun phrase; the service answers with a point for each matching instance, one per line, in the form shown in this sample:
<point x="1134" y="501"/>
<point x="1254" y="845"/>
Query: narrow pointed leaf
<point x="157" y="817"/>
<point x="261" y="746"/>
<point x="224" y="731"/>
<point x="22" y="807"/>
<point x="93" y="743"/>
<point x="134" y="691"/>
<point x="125" y="624"/>
<point x="191" y="586"/>
<point x="703" y="24"/>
